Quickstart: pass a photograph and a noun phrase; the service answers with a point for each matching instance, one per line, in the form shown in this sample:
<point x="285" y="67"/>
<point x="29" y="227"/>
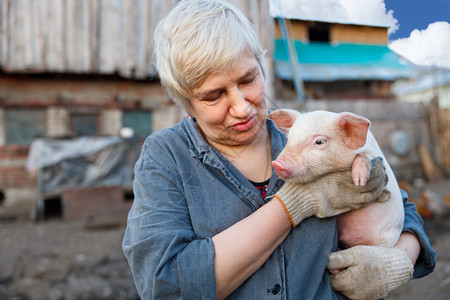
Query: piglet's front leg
<point x="360" y="169"/>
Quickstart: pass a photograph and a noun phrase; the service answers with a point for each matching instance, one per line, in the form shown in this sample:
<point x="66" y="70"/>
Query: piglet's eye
<point x="320" y="142"/>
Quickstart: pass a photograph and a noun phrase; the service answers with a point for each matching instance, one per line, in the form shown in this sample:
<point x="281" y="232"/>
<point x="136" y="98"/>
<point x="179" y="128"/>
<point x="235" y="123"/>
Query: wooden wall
<point x="298" y="30"/>
<point x="343" y="33"/>
<point x="95" y="36"/>
<point x="359" y="34"/>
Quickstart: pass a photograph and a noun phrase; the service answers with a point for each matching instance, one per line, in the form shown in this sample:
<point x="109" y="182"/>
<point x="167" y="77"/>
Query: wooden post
<point x="433" y="116"/>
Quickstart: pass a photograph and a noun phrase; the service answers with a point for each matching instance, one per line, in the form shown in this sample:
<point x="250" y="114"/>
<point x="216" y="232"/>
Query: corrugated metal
<point x="434" y="78"/>
<point x="327" y="62"/>
<point x="329" y="72"/>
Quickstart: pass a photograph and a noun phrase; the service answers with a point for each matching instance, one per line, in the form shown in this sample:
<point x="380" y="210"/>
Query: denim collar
<point x="198" y="146"/>
<point x="200" y="149"/>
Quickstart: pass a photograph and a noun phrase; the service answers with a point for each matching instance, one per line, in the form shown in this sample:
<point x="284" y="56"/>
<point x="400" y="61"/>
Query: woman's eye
<point x="211" y="98"/>
<point x="249" y="81"/>
<point x="320" y="142"/>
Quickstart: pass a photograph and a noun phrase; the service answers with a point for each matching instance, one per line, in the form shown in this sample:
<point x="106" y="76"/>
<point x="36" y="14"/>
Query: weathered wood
<point x="97" y="37"/>
<point x="444" y="138"/>
<point x="141" y="41"/>
<point x="431" y="170"/>
<point x="3" y="15"/>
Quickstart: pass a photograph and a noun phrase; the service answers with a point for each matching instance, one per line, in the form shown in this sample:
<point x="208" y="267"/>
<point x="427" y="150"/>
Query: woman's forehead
<point x="241" y="68"/>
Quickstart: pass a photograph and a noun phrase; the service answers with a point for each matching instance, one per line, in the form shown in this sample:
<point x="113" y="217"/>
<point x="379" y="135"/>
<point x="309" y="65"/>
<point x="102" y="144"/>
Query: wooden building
<point x="70" y="68"/>
<point x="337" y="61"/>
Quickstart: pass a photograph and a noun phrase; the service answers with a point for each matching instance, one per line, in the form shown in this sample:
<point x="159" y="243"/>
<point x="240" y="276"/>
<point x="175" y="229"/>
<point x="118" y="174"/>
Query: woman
<point x="200" y="226"/>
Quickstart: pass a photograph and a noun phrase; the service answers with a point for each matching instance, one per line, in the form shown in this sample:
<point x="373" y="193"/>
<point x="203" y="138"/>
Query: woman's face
<point x="230" y="108"/>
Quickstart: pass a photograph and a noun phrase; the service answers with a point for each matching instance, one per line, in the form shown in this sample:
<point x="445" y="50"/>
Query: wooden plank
<point x="54" y="52"/>
<point x="94" y="29"/>
<point x="77" y="36"/>
<point x="107" y="47"/>
<point x="13" y="28"/>
<point x="149" y="34"/>
<point x="125" y="63"/>
<point x="141" y="69"/>
<point x="444" y="138"/>
<point x="45" y="21"/>
<point x="130" y="36"/>
<point x="431" y="170"/>
<point x="26" y="40"/>
<point x="4" y="34"/>
<point x="83" y="24"/>
<point x="116" y="35"/>
<point x="34" y="45"/>
<point x="70" y="53"/>
<point x="41" y="43"/>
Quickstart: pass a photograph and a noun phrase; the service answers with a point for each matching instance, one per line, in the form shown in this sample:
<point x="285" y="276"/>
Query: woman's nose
<point x="239" y="106"/>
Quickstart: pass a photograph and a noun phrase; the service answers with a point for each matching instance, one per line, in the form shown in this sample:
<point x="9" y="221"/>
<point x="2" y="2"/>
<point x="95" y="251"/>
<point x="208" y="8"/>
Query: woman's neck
<point x="253" y="160"/>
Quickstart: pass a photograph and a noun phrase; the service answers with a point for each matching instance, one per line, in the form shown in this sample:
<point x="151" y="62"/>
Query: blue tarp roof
<point x="320" y="61"/>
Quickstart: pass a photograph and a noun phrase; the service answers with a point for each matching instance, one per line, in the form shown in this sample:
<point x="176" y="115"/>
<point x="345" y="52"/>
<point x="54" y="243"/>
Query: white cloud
<point x="426" y="47"/>
<point x="367" y="12"/>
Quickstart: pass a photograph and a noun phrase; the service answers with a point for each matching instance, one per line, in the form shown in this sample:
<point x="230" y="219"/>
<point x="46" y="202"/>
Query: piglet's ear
<point x="354" y="129"/>
<point x="284" y="118"/>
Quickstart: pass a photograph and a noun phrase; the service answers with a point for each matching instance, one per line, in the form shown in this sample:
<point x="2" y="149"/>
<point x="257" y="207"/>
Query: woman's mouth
<point x="246" y="125"/>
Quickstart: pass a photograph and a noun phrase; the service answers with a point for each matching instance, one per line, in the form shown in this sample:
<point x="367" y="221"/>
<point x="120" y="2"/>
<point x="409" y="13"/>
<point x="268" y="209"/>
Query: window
<point x="140" y="121"/>
<point x="24" y="124"/>
<point x="319" y="32"/>
<point x="85" y="124"/>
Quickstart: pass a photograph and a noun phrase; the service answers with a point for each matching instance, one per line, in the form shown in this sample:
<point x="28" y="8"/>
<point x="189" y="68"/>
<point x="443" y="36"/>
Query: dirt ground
<point x="57" y="259"/>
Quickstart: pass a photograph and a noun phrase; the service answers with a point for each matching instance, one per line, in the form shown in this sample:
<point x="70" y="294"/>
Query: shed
<point x="65" y="165"/>
<point x="338" y="60"/>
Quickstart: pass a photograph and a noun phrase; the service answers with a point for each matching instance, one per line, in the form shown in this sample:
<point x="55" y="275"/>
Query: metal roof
<point x="320" y="61"/>
<point x="428" y="79"/>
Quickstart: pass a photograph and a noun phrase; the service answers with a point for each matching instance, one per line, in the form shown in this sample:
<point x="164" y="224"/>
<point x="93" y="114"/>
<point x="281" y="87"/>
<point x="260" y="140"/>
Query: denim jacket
<point x="186" y="192"/>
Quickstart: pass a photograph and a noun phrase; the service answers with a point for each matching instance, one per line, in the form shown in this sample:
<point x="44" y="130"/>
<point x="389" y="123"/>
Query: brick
<point x="81" y="203"/>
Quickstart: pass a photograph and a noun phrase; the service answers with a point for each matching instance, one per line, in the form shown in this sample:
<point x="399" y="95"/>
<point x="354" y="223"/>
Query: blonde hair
<point x="199" y="38"/>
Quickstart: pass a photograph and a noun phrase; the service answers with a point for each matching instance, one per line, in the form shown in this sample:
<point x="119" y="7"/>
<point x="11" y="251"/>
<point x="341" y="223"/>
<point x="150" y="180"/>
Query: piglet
<point x="320" y="142"/>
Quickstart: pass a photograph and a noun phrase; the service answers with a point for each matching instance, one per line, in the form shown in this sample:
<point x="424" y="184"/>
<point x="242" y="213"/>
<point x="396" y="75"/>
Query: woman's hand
<point x="369" y="272"/>
<point x="333" y="194"/>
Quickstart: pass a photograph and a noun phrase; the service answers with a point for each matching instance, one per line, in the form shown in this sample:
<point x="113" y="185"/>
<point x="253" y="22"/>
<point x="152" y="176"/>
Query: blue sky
<point x="417" y="14"/>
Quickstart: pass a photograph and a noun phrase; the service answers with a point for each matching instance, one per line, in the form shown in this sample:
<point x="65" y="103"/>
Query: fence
<point x="444" y="138"/>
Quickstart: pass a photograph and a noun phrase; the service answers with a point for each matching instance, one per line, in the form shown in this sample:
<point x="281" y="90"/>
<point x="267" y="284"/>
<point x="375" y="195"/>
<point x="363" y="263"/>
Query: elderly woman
<point x="210" y="218"/>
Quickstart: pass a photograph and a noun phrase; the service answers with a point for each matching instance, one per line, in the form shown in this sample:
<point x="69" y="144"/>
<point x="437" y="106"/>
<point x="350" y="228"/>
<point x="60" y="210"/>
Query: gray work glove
<point x="369" y="272"/>
<point x="333" y="194"/>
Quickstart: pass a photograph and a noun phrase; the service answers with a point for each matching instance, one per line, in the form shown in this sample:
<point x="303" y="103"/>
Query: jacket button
<point x="275" y="290"/>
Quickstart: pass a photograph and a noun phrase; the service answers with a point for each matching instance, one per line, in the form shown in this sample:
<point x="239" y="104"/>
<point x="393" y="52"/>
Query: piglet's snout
<point x="282" y="168"/>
